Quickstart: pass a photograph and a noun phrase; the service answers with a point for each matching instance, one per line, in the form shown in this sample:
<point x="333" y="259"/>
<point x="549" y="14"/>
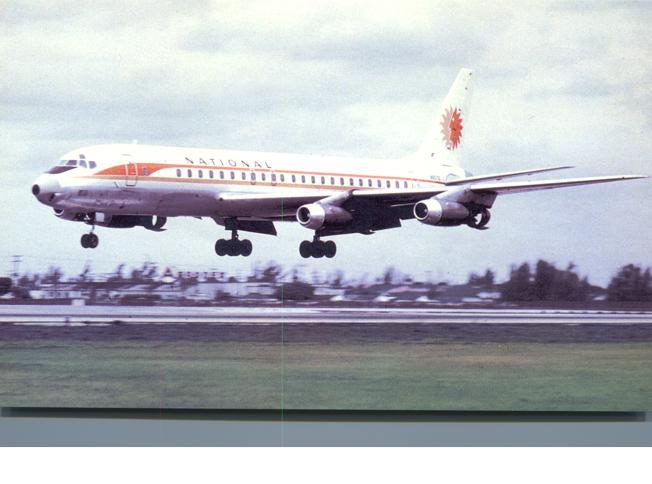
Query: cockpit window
<point x="92" y="164"/>
<point x="71" y="163"/>
<point x="59" y="169"/>
<point x="82" y="163"/>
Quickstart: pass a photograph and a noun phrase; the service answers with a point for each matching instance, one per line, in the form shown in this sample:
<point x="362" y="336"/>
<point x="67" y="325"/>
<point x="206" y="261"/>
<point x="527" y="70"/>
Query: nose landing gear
<point x="89" y="241"/>
<point x="317" y="248"/>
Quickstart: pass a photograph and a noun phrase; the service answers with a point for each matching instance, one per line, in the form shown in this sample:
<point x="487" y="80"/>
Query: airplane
<point x="129" y="185"/>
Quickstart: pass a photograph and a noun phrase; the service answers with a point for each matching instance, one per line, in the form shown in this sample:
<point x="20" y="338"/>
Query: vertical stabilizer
<point x="447" y="135"/>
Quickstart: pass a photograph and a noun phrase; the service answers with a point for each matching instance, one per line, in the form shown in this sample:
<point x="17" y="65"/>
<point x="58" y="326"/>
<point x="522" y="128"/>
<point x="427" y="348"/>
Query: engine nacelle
<point x="434" y="211"/>
<point x="316" y="215"/>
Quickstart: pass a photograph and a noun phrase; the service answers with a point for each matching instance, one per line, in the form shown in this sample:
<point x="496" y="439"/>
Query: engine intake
<point x="316" y="215"/>
<point x="434" y="211"/>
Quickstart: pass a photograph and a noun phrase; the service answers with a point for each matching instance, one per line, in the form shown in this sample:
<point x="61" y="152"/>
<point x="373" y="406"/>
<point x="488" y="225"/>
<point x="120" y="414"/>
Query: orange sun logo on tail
<point x="451" y="128"/>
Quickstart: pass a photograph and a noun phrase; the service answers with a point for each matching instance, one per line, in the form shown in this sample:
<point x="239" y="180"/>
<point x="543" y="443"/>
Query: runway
<point x="58" y="315"/>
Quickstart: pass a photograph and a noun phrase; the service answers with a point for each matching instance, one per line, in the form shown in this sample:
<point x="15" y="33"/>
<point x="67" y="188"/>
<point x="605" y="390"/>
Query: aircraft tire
<point x="221" y="247"/>
<point x="93" y="241"/>
<point x="318" y="249"/>
<point x="233" y="248"/>
<point x="84" y="241"/>
<point x="305" y="249"/>
<point x="330" y="249"/>
<point x="246" y="247"/>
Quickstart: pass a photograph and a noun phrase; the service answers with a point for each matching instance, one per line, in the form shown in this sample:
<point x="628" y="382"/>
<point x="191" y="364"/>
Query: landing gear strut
<point x="89" y="241"/>
<point x="317" y="248"/>
<point x="234" y="246"/>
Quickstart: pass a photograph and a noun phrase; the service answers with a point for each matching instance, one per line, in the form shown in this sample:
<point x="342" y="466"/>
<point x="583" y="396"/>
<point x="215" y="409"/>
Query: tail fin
<point x="444" y="139"/>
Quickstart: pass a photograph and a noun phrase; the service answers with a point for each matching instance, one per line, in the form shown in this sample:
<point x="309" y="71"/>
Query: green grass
<point x="385" y="376"/>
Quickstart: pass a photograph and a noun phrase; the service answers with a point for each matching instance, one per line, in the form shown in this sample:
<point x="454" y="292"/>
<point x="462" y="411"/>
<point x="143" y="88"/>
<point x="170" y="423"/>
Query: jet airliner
<point x="129" y="185"/>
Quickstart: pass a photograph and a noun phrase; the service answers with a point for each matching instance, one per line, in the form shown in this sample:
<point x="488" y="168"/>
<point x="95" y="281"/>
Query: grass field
<point x="416" y="375"/>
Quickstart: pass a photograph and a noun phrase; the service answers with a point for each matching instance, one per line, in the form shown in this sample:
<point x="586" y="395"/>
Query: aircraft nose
<point x="45" y="187"/>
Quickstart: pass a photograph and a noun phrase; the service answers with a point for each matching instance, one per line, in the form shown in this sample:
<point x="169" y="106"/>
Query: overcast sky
<point x="568" y="83"/>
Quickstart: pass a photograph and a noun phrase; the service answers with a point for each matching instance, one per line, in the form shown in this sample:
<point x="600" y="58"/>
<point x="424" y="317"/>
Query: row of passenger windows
<point x="293" y="178"/>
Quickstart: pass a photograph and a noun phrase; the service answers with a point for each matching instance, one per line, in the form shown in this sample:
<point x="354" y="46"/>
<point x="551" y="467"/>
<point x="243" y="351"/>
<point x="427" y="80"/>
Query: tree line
<point x="548" y="283"/>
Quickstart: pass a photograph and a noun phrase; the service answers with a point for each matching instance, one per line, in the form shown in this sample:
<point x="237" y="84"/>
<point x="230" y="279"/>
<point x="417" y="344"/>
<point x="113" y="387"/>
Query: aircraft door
<point x="131" y="174"/>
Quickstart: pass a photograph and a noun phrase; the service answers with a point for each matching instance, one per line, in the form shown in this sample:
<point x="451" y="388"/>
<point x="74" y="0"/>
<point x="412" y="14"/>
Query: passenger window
<point x="332" y="181"/>
<point x="222" y="174"/>
<point x="370" y="182"/>
<point x="379" y="184"/>
<point x="273" y="177"/>
<point x="398" y="185"/>
<point x="294" y="178"/>
<point x="211" y="174"/>
<point x="312" y="179"/>
<point x="405" y="184"/>
<point x="389" y="184"/>
<point x="244" y="175"/>
<point x="92" y="164"/>
<point x="360" y="181"/>
<point x="342" y="181"/>
<point x="82" y="163"/>
<point x="178" y="172"/>
<point x="303" y="178"/>
<point x="253" y="176"/>
<point x="200" y="173"/>
<point x="262" y="176"/>
<point x="189" y="173"/>
<point x="282" y="178"/>
<point x="351" y="181"/>
<point x="323" y="180"/>
<point x="233" y="175"/>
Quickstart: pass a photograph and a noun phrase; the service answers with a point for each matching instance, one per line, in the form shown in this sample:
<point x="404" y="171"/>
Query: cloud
<point x="564" y="83"/>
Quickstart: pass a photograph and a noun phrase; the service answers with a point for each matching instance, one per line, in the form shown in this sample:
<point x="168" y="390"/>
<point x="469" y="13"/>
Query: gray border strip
<point x="187" y="429"/>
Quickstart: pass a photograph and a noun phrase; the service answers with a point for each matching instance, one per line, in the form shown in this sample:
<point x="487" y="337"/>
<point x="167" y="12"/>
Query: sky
<point x="554" y="84"/>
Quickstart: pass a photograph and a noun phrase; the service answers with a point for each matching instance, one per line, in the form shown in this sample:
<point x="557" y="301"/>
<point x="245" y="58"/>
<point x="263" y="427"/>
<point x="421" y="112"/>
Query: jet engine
<point x="435" y="211"/>
<point x="316" y="215"/>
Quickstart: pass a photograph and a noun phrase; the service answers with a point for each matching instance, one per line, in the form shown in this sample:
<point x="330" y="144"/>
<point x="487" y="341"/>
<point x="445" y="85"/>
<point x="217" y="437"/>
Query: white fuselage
<point x="169" y="181"/>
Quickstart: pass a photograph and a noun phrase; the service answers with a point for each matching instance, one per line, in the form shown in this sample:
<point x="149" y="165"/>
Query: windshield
<point x="65" y="165"/>
<point x="59" y="169"/>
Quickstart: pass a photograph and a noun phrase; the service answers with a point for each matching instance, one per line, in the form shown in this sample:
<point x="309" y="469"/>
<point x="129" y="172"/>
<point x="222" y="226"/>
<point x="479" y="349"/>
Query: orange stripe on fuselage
<point x="121" y="170"/>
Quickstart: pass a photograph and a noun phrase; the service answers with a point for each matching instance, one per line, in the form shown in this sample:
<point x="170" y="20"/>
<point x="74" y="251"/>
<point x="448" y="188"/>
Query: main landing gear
<point x="317" y="248"/>
<point x="89" y="241"/>
<point x="234" y="246"/>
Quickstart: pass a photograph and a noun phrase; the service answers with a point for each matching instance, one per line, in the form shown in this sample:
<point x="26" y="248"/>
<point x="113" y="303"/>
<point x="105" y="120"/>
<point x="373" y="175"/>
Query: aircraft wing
<point x="399" y="197"/>
<point x="529" y="186"/>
